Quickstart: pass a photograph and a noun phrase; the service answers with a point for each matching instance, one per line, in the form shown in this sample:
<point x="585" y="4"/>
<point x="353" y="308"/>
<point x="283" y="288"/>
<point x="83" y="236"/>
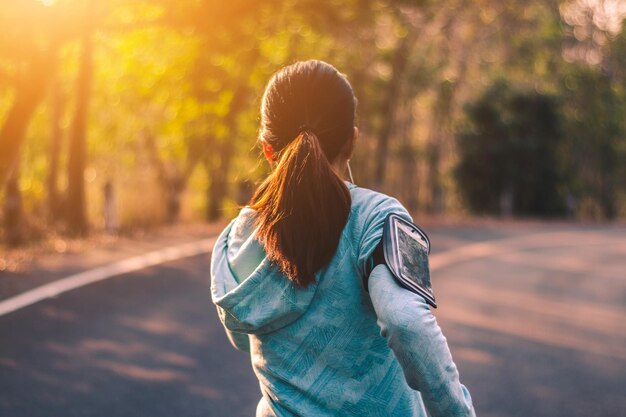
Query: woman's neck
<point x="339" y="167"/>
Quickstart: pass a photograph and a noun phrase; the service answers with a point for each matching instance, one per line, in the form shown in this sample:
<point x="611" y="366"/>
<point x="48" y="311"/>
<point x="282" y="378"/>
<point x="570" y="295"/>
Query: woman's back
<point x="318" y="350"/>
<point x="287" y="274"/>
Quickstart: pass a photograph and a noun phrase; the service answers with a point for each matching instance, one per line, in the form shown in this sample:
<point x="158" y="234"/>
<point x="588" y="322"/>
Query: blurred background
<point x="135" y="113"/>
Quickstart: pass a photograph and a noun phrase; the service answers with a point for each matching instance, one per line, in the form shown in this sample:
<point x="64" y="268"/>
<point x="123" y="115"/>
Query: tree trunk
<point x="76" y="205"/>
<point x="175" y="188"/>
<point x="408" y="160"/>
<point x="218" y="185"/>
<point x="442" y="131"/>
<point x="13" y="215"/>
<point x="170" y="179"/>
<point x="398" y="66"/>
<point x="361" y="163"/>
<point x="438" y="138"/>
<point x="217" y="191"/>
<point x="56" y="111"/>
<point x="29" y="93"/>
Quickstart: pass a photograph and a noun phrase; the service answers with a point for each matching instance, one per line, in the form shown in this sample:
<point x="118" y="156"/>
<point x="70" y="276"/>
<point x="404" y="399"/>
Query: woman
<point x="287" y="273"/>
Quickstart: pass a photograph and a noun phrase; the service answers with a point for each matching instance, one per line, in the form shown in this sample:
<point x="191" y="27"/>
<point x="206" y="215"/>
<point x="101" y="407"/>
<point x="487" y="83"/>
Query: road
<point x="535" y="317"/>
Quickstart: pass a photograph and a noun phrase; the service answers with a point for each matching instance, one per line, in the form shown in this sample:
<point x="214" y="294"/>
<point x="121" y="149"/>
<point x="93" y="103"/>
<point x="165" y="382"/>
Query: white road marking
<point x="101" y="273"/>
<point x="462" y="254"/>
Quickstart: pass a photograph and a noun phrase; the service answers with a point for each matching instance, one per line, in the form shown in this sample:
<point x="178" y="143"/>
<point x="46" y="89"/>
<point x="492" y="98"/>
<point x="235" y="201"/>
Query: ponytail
<point x="302" y="208"/>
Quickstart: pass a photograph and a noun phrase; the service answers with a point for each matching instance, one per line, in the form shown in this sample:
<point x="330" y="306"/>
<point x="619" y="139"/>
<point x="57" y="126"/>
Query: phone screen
<point x="413" y="256"/>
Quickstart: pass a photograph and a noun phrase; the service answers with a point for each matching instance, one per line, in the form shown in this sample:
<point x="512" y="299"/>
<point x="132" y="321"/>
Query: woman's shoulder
<point x="367" y="203"/>
<point x="367" y="216"/>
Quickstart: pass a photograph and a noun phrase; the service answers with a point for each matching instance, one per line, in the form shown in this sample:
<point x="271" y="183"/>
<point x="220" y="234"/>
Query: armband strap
<point x="377" y="258"/>
<point x="404" y="248"/>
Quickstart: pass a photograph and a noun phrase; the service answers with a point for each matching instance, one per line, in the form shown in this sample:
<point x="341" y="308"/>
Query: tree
<point x="509" y="154"/>
<point x="76" y="215"/>
<point x="30" y="87"/>
<point x="594" y="114"/>
<point x="32" y="35"/>
<point x="12" y="211"/>
<point x="56" y="140"/>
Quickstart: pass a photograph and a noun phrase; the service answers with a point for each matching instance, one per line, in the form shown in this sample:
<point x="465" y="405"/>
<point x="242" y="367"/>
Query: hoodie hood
<point x="251" y="294"/>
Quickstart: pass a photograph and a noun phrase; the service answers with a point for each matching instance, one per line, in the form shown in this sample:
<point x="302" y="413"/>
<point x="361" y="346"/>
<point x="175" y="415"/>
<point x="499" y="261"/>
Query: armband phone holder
<point x="404" y="248"/>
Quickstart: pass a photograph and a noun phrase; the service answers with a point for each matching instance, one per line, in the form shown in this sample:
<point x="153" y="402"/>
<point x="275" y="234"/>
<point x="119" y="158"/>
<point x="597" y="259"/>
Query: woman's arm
<point x="418" y="344"/>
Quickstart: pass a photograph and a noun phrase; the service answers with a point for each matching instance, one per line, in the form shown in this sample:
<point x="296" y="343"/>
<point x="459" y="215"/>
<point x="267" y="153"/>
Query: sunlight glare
<point x="606" y="15"/>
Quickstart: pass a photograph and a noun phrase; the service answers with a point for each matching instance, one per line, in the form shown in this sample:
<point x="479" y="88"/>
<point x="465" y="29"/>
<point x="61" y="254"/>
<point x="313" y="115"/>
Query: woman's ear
<point x="269" y="153"/>
<point x="350" y="145"/>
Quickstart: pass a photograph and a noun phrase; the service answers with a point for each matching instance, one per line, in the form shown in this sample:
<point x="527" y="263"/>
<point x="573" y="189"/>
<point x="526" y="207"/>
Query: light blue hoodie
<point x="332" y="349"/>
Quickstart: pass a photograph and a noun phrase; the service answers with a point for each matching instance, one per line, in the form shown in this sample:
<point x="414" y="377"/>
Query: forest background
<point x="129" y="114"/>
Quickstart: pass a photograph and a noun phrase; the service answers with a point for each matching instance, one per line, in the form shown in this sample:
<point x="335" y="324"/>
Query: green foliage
<point x="175" y="99"/>
<point x="511" y="151"/>
<point x="596" y="140"/>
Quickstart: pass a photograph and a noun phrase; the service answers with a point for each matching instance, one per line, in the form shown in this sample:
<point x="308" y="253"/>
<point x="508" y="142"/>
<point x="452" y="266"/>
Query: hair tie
<point x="305" y="128"/>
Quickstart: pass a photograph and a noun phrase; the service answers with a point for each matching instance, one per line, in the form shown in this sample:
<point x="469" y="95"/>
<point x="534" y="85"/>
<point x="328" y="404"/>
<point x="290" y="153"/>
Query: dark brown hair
<point x="307" y="117"/>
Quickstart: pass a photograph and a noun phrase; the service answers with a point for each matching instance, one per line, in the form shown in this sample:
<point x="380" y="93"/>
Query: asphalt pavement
<point x="534" y="317"/>
<point x="143" y="344"/>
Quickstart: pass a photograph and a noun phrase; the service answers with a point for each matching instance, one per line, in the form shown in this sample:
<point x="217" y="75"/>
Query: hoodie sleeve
<point x="407" y="322"/>
<point x="416" y="340"/>
<point x="376" y="207"/>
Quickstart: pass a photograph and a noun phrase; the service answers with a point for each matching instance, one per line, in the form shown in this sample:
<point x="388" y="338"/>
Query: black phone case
<point x="384" y="253"/>
<point x="394" y="264"/>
